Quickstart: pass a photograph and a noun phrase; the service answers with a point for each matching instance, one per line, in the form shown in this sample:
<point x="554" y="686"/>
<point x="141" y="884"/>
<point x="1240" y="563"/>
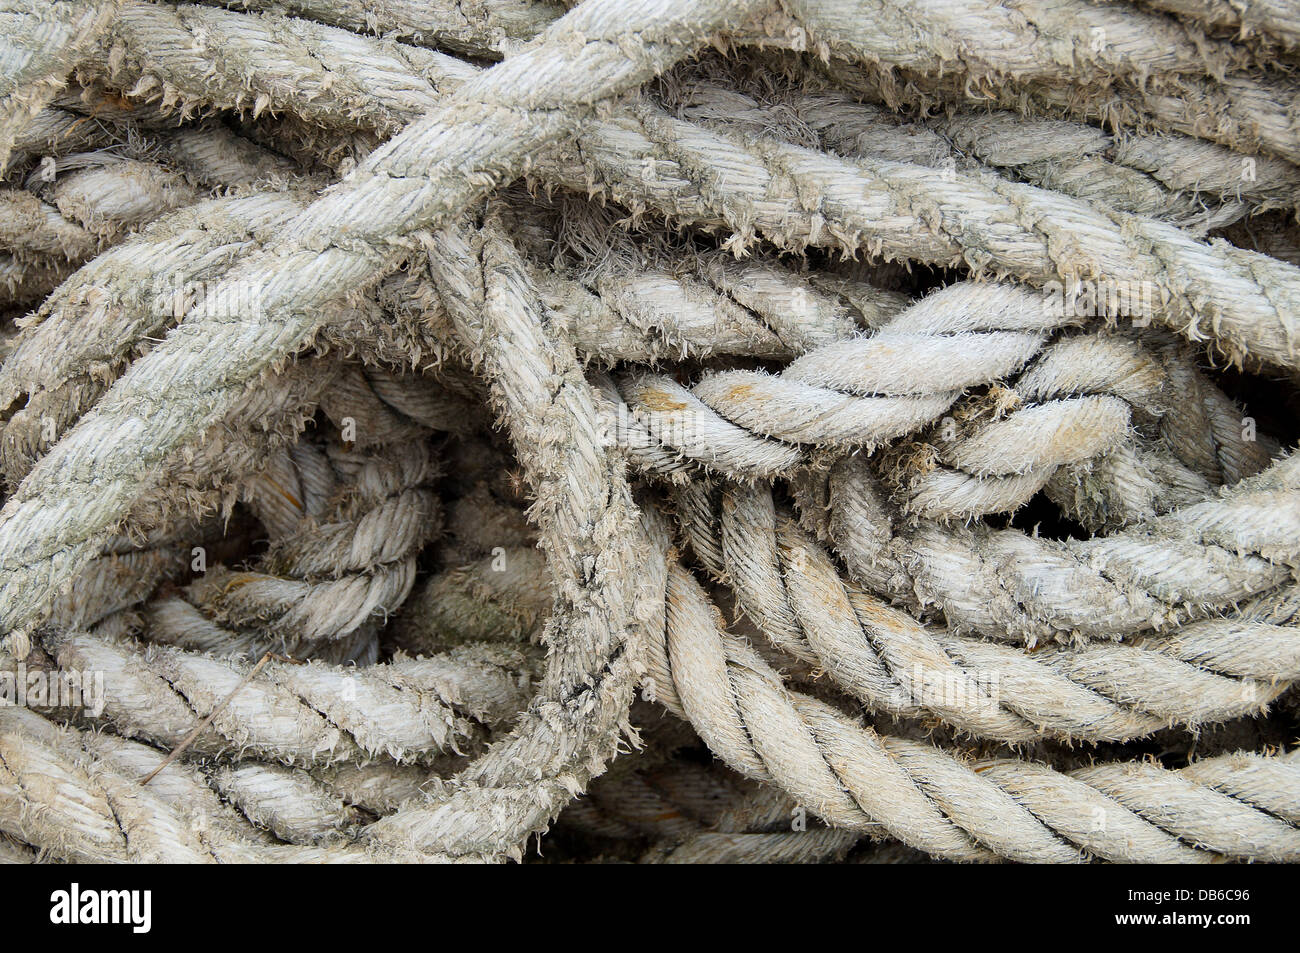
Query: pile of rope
<point x="649" y="430"/>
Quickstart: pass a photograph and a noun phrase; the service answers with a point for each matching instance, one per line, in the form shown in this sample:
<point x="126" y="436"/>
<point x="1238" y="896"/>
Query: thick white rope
<point x="420" y="178"/>
<point x="1012" y="585"/>
<point x="306" y="714"/>
<point x="40" y="43"/>
<point x="795" y="197"/>
<point x="790" y="588"/>
<point x="859" y="392"/>
<point x="928" y="798"/>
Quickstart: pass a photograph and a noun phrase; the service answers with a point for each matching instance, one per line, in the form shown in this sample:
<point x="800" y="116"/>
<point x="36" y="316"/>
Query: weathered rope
<point x="1012" y="585"/>
<point x="1188" y="182"/>
<point x="585" y="54"/>
<point x="42" y="41"/>
<point x="85" y="331"/>
<point x="862" y="391"/>
<point x="795" y="197"/>
<point x="134" y="293"/>
<point x="77" y="796"/>
<point x="482" y="29"/>
<point x="500" y="597"/>
<point x="1076" y="401"/>
<point x="1207" y="671"/>
<point x="1272" y="20"/>
<point x="855" y="778"/>
<point x="262" y="422"/>
<point x="668" y="307"/>
<point x="311" y="714"/>
<point x="1098" y="77"/>
<point x="585" y="518"/>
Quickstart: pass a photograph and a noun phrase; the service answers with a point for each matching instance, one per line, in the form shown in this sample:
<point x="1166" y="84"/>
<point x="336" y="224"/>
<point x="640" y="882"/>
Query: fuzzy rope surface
<point x="927" y="798"/>
<point x="797" y="197"/>
<point x="367" y="337"/>
<point x="1010" y="585"/>
<point x="417" y="180"/>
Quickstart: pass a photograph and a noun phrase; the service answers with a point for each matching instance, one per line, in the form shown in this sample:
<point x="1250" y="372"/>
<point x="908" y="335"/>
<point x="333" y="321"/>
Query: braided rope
<point x="1147" y="175"/>
<point x="42" y="42"/>
<point x="864" y="390"/>
<point x="313" y="713"/>
<point x="1080" y="394"/>
<point x="1009" y="54"/>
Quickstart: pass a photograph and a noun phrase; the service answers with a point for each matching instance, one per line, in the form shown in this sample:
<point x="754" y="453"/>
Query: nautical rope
<point x="1012" y="585"/>
<point x="311" y="714"/>
<point x="790" y="588"/>
<point x="314" y="444"/>
<point x="762" y="187"/>
<point x="42" y="41"/>
<point x="216" y="351"/>
<point x="928" y="798"/>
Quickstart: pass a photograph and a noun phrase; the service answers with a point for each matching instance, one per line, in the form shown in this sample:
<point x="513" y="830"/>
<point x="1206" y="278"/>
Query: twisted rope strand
<point x="483" y="29"/>
<point x="1259" y="18"/>
<point x="796" y="197"/>
<point x="418" y="179"/>
<point x="311" y="714"/>
<point x="1009" y="55"/>
<point x="927" y="798"/>
<point x="1142" y="175"/>
<point x="1010" y="585"/>
<point x="42" y="42"/>
<point x="1077" y="401"/>
<point x="788" y="585"/>
<point x="583" y="514"/>
<point x="864" y="390"/>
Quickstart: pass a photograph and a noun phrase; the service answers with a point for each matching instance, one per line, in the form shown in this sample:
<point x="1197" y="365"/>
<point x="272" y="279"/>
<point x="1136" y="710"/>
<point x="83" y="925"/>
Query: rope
<point x="1012" y="585"/>
<point x="1147" y="175"/>
<point x="1077" y="402"/>
<point x="764" y="187"/>
<point x="1276" y="20"/>
<point x="42" y="42"/>
<point x="1010" y="56"/>
<point x="94" y="810"/>
<point x="584" y="519"/>
<point x="313" y="713"/>
<point x="483" y="29"/>
<point x="865" y="390"/>
<point x="327" y="438"/>
<point x="1208" y="671"/>
<point x="1199" y="673"/>
<point x="582" y="59"/>
<point x="929" y="799"/>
